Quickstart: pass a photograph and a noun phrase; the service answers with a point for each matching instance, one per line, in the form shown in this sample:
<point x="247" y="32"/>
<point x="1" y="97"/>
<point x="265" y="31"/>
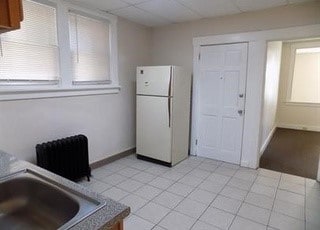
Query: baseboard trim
<point x="267" y="141"/>
<point x="113" y="158"/>
<point x="299" y="127"/>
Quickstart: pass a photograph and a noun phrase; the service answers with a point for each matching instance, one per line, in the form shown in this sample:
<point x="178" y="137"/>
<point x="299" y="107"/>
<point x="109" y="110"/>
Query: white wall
<point x="107" y="120"/>
<point x="271" y="88"/>
<point x="296" y="116"/>
<point x="172" y="44"/>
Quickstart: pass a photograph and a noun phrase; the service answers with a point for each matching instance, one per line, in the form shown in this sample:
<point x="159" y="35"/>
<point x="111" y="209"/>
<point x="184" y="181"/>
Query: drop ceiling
<point x="162" y="12"/>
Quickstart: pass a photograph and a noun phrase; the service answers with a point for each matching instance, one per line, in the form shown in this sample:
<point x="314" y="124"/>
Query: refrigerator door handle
<point x="169" y="110"/>
<point x="169" y="98"/>
<point x="169" y="86"/>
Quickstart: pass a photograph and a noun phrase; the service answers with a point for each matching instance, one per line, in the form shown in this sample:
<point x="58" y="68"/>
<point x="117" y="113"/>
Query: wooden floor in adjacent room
<point x="294" y="152"/>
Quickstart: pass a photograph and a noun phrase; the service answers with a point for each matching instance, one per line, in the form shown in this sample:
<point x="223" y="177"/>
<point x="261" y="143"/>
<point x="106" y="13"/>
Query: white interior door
<point x="154" y="127"/>
<point x="221" y="100"/>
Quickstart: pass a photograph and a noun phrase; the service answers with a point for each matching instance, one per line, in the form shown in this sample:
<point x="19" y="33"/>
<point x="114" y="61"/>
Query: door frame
<point x="257" y="51"/>
<point x="196" y="98"/>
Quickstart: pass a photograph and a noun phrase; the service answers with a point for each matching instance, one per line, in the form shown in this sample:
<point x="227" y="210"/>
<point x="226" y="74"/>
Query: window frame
<point x="27" y="83"/>
<point x="101" y="19"/>
<point x="293" y="48"/>
<point x="65" y="86"/>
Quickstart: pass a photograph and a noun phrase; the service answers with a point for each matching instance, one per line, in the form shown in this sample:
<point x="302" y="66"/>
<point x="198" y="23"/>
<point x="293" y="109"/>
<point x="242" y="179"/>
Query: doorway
<point x="290" y="132"/>
<point x="221" y="101"/>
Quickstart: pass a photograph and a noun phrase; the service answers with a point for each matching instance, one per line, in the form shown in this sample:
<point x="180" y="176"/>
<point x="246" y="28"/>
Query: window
<point x="305" y="86"/>
<point x="89" y="43"/>
<point x="61" y="50"/>
<point x="31" y="54"/>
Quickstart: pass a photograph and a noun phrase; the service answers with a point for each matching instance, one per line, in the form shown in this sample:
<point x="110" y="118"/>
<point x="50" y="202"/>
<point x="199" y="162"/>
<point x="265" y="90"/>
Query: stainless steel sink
<point x="31" y="201"/>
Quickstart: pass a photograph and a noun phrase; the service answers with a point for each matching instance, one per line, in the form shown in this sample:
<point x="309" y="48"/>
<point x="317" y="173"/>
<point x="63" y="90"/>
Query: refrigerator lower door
<point x="154" y="128"/>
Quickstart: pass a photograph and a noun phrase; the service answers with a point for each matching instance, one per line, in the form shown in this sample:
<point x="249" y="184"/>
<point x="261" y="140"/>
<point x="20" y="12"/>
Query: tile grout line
<point x="203" y="179"/>
<point x="148" y="201"/>
<point x="132" y="193"/>
<point x="198" y="219"/>
<point x="166" y="190"/>
<point x="173" y="209"/>
<point x="274" y="200"/>
<point x="270" y="210"/>
<point x="194" y="167"/>
<point x="130" y="177"/>
<point x="242" y="203"/>
<point x="278" y="188"/>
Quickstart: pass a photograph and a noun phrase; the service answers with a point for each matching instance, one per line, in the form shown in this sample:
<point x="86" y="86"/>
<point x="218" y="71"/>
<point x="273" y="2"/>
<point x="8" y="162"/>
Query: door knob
<point x="240" y="111"/>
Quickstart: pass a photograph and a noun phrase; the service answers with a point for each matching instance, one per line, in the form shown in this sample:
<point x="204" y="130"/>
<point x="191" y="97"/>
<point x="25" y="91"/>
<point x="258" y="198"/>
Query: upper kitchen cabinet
<point x="11" y="14"/>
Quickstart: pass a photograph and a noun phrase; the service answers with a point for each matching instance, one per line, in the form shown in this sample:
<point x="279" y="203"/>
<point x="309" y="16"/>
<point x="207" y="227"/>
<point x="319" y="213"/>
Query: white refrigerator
<point x="163" y="113"/>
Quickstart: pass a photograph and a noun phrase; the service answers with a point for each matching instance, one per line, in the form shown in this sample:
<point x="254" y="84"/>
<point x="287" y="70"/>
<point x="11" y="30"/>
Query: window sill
<point x="49" y="92"/>
<point x="302" y="104"/>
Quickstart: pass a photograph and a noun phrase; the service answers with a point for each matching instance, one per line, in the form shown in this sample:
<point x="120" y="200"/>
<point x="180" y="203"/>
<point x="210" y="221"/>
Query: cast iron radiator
<point x="67" y="157"/>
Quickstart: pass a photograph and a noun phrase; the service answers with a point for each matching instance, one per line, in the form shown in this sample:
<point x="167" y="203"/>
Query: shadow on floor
<point x="294" y="152"/>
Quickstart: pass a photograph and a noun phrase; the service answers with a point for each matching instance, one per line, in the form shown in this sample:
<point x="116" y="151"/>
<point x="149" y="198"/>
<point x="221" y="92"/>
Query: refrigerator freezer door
<point x="154" y="80"/>
<point x="153" y="127"/>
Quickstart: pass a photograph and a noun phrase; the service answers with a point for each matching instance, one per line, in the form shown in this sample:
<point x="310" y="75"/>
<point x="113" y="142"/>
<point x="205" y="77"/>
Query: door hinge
<point x="199" y="56"/>
<point x="196" y="141"/>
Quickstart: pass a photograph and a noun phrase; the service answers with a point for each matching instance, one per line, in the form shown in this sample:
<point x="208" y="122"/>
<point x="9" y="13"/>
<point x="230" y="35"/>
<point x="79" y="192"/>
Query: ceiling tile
<point x="140" y="16"/>
<point x="212" y="8"/>
<point x="133" y="2"/>
<point x="299" y="1"/>
<point x="100" y="4"/>
<point x="251" y="5"/>
<point x="162" y="12"/>
<point x="169" y="9"/>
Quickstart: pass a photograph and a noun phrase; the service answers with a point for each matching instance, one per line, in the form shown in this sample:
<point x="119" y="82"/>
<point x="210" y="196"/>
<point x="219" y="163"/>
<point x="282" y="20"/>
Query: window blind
<point x="31" y="53"/>
<point x="306" y="76"/>
<point x="89" y="43"/>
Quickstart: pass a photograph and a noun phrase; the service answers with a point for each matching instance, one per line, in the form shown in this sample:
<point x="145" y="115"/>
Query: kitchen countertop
<point x="106" y="217"/>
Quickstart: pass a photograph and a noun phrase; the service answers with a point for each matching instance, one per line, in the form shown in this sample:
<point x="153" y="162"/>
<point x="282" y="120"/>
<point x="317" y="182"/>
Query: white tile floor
<point x="203" y="194"/>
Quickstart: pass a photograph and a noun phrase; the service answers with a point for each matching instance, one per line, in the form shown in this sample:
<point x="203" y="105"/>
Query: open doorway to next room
<point x="290" y="137"/>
